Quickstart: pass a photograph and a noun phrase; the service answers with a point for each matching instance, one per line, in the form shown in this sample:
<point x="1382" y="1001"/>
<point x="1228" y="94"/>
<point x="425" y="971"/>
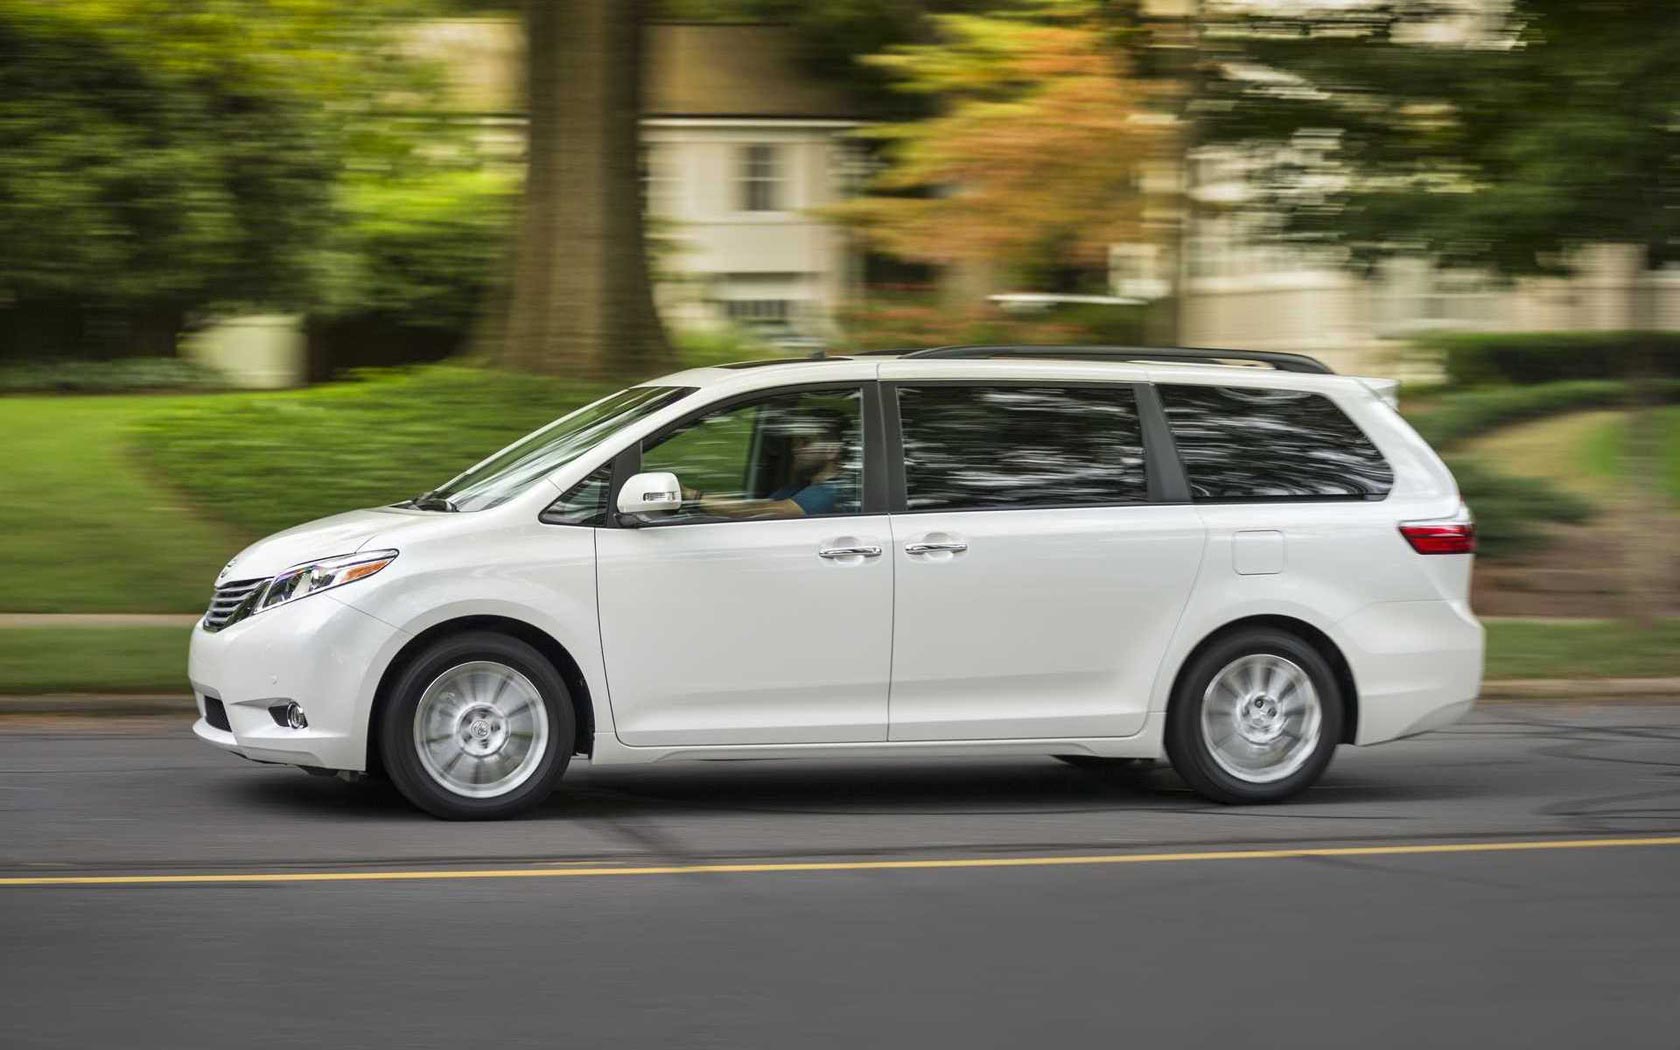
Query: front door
<point x="761" y="612"/>
<point x="1037" y="581"/>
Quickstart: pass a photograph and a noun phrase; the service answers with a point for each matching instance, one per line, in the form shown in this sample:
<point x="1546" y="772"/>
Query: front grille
<point x="216" y="714"/>
<point x="226" y="603"/>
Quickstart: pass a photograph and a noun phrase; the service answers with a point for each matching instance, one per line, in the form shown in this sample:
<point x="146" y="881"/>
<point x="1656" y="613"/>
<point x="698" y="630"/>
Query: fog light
<point x="294" y="716"/>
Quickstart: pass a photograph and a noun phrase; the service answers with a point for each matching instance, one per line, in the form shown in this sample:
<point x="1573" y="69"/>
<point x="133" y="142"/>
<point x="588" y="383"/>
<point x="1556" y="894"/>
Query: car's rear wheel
<point x="479" y="726"/>
<point x="1255" y="718"/>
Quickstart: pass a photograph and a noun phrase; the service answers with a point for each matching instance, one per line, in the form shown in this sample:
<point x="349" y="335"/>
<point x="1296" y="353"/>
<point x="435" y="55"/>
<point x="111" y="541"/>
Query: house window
<point x="758" y="311"/>
<point x="761" y="178"/>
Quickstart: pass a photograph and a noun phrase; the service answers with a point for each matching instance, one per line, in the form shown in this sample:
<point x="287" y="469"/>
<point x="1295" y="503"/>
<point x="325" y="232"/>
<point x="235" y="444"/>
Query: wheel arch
<point x="1313" y="636"/>
<point x="583" y="705"/>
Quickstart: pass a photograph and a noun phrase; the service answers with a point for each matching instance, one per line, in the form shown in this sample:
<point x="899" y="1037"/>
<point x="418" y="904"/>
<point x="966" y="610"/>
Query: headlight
<point x="300" y="581"/>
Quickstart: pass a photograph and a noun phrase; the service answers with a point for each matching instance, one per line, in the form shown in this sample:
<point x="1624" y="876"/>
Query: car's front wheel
<point x="478" y="727"/>
<point x="1255" y="718"/>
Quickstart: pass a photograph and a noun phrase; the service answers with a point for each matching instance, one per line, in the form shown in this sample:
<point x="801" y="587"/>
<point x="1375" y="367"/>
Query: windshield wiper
<point x="432" y="501"/>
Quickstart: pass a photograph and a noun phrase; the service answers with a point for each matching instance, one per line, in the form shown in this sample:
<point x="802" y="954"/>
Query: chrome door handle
<point x="850" y="552"/>
<point x="955" y="547"/>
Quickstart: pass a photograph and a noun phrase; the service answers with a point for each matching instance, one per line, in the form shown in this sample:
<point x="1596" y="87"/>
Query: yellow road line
<point x="843" y="865"/>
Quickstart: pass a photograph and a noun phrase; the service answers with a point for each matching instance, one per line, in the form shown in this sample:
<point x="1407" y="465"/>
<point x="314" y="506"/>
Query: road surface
<point x="1368" y="943"/>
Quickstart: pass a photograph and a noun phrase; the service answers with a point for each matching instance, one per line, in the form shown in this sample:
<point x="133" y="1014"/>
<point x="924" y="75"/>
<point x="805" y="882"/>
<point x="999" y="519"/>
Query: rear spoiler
<point x="1387" y="389"/>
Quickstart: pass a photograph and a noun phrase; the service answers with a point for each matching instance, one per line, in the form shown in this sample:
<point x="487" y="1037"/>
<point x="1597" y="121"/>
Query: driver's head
<point x="817" y="438"/>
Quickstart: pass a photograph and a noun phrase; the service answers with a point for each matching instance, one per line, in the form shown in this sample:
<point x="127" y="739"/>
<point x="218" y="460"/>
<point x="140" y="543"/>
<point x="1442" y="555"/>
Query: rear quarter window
<point x="1241" y="444"/>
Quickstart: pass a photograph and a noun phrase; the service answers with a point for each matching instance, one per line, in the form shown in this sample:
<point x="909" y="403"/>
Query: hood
<point x="340" y="534"/>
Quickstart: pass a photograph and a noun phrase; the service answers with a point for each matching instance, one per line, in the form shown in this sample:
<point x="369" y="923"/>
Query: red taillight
<point x="1440" y="537"/>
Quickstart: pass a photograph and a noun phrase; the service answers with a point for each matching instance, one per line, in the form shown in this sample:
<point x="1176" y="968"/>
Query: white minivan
<point x="1235" y="560"/>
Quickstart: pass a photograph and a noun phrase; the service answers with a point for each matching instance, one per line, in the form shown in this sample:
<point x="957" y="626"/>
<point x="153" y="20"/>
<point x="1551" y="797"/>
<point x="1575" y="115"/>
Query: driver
<point x="816" y="444"/>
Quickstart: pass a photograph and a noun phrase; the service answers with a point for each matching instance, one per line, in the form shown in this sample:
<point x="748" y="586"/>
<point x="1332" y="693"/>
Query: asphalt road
<point x="1532" y="948"/>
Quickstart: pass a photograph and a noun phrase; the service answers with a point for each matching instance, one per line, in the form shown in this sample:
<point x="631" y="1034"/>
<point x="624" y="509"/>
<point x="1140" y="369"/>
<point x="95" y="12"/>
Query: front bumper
<point x="319" y="652"/>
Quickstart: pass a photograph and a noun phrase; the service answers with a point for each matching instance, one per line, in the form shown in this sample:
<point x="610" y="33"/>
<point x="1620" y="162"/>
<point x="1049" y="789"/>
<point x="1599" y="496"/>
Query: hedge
<point x="1513" y="514"/>
<point x="121" y="375"/>
<point x="1477" y="358"/>
<point x="1454" y="417"/>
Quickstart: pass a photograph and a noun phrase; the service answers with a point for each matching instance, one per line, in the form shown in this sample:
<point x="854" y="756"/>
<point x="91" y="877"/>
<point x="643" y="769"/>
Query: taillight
<point x="1440" y="537"/>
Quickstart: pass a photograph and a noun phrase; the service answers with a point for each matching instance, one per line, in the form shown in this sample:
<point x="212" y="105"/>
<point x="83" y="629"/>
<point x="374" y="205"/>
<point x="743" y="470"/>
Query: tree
<point x="1488" y="136"/>
<point x="158" y="159"/>
<point x="1036" y="152"/>
<point x="1501" y="137"/>
<point x="581" y="300"/>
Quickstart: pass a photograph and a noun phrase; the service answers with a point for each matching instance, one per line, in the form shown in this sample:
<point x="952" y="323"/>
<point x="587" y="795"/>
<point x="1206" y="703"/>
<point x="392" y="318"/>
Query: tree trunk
<point x="581" y="301"/>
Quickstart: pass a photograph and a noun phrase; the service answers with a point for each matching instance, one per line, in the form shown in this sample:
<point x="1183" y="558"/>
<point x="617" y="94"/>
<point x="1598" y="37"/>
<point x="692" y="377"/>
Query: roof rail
<point x="1280" y="361"/>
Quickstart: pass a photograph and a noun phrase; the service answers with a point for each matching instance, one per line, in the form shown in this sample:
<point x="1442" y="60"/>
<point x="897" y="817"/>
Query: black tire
<point x="401" y="754"/>
<point x="1104" y="764"/>
<point x="1192" y="754"/>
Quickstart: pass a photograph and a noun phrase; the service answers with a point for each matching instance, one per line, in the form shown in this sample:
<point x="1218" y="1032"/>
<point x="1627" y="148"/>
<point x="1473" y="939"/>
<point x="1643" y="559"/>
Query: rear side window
<point x="1243" y="444"/>
<point x="1013" y="447"/>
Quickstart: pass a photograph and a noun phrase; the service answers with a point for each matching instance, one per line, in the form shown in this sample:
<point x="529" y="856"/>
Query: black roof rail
<point x="1280" y="361"/>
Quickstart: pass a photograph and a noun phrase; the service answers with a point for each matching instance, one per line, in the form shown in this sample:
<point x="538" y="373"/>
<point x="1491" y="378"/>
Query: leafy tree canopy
<point x="158" y="155"/>
<point x="1490" y="135"/>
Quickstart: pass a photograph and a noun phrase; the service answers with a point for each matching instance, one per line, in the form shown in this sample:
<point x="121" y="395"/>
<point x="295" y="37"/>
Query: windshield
<point x="510" y="471"/>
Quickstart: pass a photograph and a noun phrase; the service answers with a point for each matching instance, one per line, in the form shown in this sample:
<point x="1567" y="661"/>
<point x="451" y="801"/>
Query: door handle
<point x="867" y="551"/>
<point x="954" y="546"/>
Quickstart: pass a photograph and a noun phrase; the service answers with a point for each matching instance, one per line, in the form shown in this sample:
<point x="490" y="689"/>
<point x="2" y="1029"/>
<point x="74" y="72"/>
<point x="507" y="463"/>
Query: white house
<point x="1240" y="290"/>
<point x="741" y="145"/>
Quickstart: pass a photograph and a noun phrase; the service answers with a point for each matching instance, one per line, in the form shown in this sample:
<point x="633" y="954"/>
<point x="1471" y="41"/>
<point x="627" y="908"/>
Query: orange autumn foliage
<point x="1037" y="151"/>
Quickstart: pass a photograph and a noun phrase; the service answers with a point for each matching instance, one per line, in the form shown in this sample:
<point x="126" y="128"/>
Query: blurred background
<point x="263" y="260"/>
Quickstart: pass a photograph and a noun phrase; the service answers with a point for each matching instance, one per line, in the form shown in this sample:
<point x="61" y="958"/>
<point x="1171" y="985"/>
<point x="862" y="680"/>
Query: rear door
<point x="1040" y="567"/>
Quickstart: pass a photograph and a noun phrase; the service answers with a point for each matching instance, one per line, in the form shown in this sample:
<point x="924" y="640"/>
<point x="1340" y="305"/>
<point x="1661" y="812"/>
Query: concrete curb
<point x="1582" y="689"/>
<point x="116" y="704"/>
<point x="1554" y="690"/>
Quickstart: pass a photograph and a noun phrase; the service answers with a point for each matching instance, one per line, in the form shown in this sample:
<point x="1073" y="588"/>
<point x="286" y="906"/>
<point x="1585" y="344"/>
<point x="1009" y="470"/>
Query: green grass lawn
<point x="1604" y="452"/>
<point x="1583" y="452"/>
<point x="88" y="525"/>
<point x="1594" y="649"/>
<point x="265" y="462"/>
<point x="133" y="503"/>
<point x="36" y="660"/>
<point x="154" y="659"/>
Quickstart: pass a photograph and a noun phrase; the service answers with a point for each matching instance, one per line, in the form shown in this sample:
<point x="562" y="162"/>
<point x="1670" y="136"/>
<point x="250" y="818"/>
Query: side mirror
<point x="650" y="494"/>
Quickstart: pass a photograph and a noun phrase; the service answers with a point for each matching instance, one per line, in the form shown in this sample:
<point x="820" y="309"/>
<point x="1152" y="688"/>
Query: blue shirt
<point x="820" y="498"/>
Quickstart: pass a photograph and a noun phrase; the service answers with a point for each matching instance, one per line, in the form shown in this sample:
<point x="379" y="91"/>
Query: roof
<point x="706" y="70"/>
<point x="734" y="70"/>
<point x="1131" y="365"/>
<point x="1282" y="362"/>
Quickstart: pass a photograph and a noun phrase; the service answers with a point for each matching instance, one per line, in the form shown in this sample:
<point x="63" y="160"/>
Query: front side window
<point x="1014" y="447"/>
<point x="1242" y="444"/>
<point x="791" y="455"/>
<point x="510" y="471"/>
<point x="759" y="177"/>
